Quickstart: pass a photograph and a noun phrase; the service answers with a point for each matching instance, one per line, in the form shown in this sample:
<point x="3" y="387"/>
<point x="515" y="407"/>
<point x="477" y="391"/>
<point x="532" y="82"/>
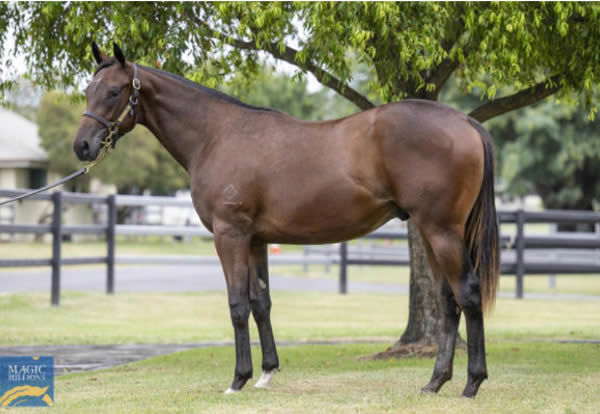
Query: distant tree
<point x="552" y="151"/>
<point x="274" y="90"/>
<point x="58" y="119"/>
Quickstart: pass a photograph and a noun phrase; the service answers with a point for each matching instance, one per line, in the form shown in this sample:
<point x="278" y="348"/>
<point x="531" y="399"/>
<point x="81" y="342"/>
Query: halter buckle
<point x="136" y="84"/>
<point x="113" y="129"/>
<point x="133" y="100"/>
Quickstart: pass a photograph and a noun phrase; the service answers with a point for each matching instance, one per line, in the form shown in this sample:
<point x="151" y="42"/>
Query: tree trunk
<point x="424" y="317"/>
<point x="420" y="337"/>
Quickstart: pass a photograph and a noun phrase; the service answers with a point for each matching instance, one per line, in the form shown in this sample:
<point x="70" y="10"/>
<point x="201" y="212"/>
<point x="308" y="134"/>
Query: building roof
<point x="19" y="142"/>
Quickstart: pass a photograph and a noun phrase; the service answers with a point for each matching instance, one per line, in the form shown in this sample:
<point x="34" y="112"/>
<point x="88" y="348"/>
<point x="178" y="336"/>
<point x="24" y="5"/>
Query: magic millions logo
<point x="26" y="381"/>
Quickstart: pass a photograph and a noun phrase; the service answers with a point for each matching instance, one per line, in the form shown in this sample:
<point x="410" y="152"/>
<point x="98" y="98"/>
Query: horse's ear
<point x="119" y="54"/>
<point x="98" y="54"/>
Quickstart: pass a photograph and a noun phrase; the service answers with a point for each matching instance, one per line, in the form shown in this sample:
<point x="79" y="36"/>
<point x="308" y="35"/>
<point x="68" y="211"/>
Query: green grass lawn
<point x="95" y="318"/>
<point x="125" y="245"/>
<point x="524" y="378"/>
<point x="528" y="372"/>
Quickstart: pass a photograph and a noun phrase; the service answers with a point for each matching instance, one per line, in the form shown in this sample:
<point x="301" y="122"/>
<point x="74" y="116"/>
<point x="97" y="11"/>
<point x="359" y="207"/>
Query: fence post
<point x="305" y="254"/>
<point x="520" y="253"/>
<point x="343" y="267"/>
<point x="56" y="244"/>
<point x="110" y="242"/>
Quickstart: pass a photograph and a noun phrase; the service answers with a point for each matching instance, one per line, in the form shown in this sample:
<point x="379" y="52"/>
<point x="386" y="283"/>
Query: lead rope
<point x="107" y="143"/>
<point x="105" y="149"/>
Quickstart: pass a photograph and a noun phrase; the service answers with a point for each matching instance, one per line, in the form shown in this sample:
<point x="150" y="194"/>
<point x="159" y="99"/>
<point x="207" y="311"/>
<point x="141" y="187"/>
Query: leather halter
<point x="113" y="126"/>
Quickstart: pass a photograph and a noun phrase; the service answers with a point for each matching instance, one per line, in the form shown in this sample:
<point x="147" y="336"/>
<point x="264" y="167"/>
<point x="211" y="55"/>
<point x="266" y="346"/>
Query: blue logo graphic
<point x="26" y="381"/>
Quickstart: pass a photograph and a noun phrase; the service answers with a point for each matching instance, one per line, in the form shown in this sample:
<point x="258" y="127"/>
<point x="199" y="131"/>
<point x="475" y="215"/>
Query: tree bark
<point x="424" y="317"/>
<point x="420" y="338"/>
<point x="520" y="99"/>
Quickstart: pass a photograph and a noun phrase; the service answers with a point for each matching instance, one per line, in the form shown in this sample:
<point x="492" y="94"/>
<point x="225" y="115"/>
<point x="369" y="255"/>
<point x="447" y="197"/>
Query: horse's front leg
<point x="233" y="247"/>
<point x="260" y="303"/>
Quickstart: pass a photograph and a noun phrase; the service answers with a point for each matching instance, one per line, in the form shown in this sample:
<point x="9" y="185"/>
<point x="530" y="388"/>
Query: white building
<point x="24" y="165"/>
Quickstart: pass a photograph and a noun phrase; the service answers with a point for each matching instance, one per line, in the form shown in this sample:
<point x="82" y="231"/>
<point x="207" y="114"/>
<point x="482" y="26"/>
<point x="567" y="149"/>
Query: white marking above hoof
<point x="265" y="379"/>
<point x="231" y="391"/>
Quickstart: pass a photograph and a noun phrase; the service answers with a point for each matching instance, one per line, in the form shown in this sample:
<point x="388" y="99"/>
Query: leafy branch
<point x="289" y="54"/>
<point x="520" y="99"/>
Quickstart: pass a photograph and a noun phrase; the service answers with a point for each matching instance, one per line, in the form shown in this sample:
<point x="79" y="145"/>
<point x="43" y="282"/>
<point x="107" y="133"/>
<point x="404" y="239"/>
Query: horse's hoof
<point x="265" y="379"/>
<point x="428" y="390"/>
<point x="231" y="391"/>
<point x="432" y="388"/>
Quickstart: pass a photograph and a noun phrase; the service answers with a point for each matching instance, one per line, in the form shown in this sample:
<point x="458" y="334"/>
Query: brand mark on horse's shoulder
<point x="230" y="192"/>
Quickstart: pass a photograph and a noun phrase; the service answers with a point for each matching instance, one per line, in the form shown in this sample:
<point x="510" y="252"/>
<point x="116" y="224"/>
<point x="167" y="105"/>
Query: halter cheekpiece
<point x="113" y="126"/>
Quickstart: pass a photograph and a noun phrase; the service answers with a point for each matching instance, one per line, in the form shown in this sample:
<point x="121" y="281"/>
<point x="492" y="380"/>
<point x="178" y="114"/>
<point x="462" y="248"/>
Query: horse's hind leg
<point x="470" y="300"/>
<point x="454" y="264"/>
<point x="260" y="303"/>
<point x="233" y="249"/>
<point x="442" y="371"/>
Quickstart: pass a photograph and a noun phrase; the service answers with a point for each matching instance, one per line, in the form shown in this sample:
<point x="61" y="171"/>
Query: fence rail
<point x="345" y="255"/>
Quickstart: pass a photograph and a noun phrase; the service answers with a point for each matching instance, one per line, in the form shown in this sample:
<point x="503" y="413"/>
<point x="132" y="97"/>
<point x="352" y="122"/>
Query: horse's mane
<point x="205" y="89"/>
<point x="209" y="91"/>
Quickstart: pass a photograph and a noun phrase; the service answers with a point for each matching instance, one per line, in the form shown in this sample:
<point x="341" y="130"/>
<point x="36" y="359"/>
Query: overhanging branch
<point x="288" y="54"/>
<point x="448" y="65"/>
<point x="518" y="100"/>
<point x="441" y="75"/>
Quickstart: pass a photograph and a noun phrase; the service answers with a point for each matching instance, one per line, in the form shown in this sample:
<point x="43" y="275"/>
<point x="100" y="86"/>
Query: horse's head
<point x="110" y="94"/>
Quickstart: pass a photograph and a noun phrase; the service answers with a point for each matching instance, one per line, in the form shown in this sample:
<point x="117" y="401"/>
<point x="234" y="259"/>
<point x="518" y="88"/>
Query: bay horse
<point x="261" y="176"/>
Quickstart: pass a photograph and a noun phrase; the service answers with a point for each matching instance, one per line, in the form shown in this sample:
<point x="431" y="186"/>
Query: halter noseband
<point x="113" y="127"/>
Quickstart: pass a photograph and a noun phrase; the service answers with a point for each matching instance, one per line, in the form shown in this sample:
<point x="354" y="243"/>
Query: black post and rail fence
<point x="521" y="255"/>
<point x="58" y="231"/>
<point x="110" y="243"/>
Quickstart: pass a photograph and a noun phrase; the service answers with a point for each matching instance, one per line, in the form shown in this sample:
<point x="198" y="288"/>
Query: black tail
<point x="481" y="229"/>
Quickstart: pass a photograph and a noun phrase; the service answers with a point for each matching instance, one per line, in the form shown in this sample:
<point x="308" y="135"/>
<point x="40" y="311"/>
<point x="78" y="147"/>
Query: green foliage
<point x="273" y="90"/>
<point x="408" y="46"/>
<point x="552" y="151"/>
<point x="58" y="120"/>
<point x="138" y="163"/>
<point x="5" y="20"/>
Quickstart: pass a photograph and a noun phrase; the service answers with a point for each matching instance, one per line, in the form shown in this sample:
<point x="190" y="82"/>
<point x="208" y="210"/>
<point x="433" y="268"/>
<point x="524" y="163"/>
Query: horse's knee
<point x="470" y="296"/>
<point x="261" y="307"/>
<point x="239" y="310"/>
<point x="449" y="305"/>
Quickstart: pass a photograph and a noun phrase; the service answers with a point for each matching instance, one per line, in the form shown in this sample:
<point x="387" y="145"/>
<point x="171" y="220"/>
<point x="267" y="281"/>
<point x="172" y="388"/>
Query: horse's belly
<point x="327" y="219"/>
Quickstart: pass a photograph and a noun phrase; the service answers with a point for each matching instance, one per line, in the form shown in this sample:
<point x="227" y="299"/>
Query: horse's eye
<point x="114" y="93"/>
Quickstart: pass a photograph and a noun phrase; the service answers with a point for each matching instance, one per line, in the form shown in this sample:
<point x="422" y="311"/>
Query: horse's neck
<point x="182" y="117"/>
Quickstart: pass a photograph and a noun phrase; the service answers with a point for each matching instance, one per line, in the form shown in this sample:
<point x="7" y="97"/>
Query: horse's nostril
<point x="85" y="148"/>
